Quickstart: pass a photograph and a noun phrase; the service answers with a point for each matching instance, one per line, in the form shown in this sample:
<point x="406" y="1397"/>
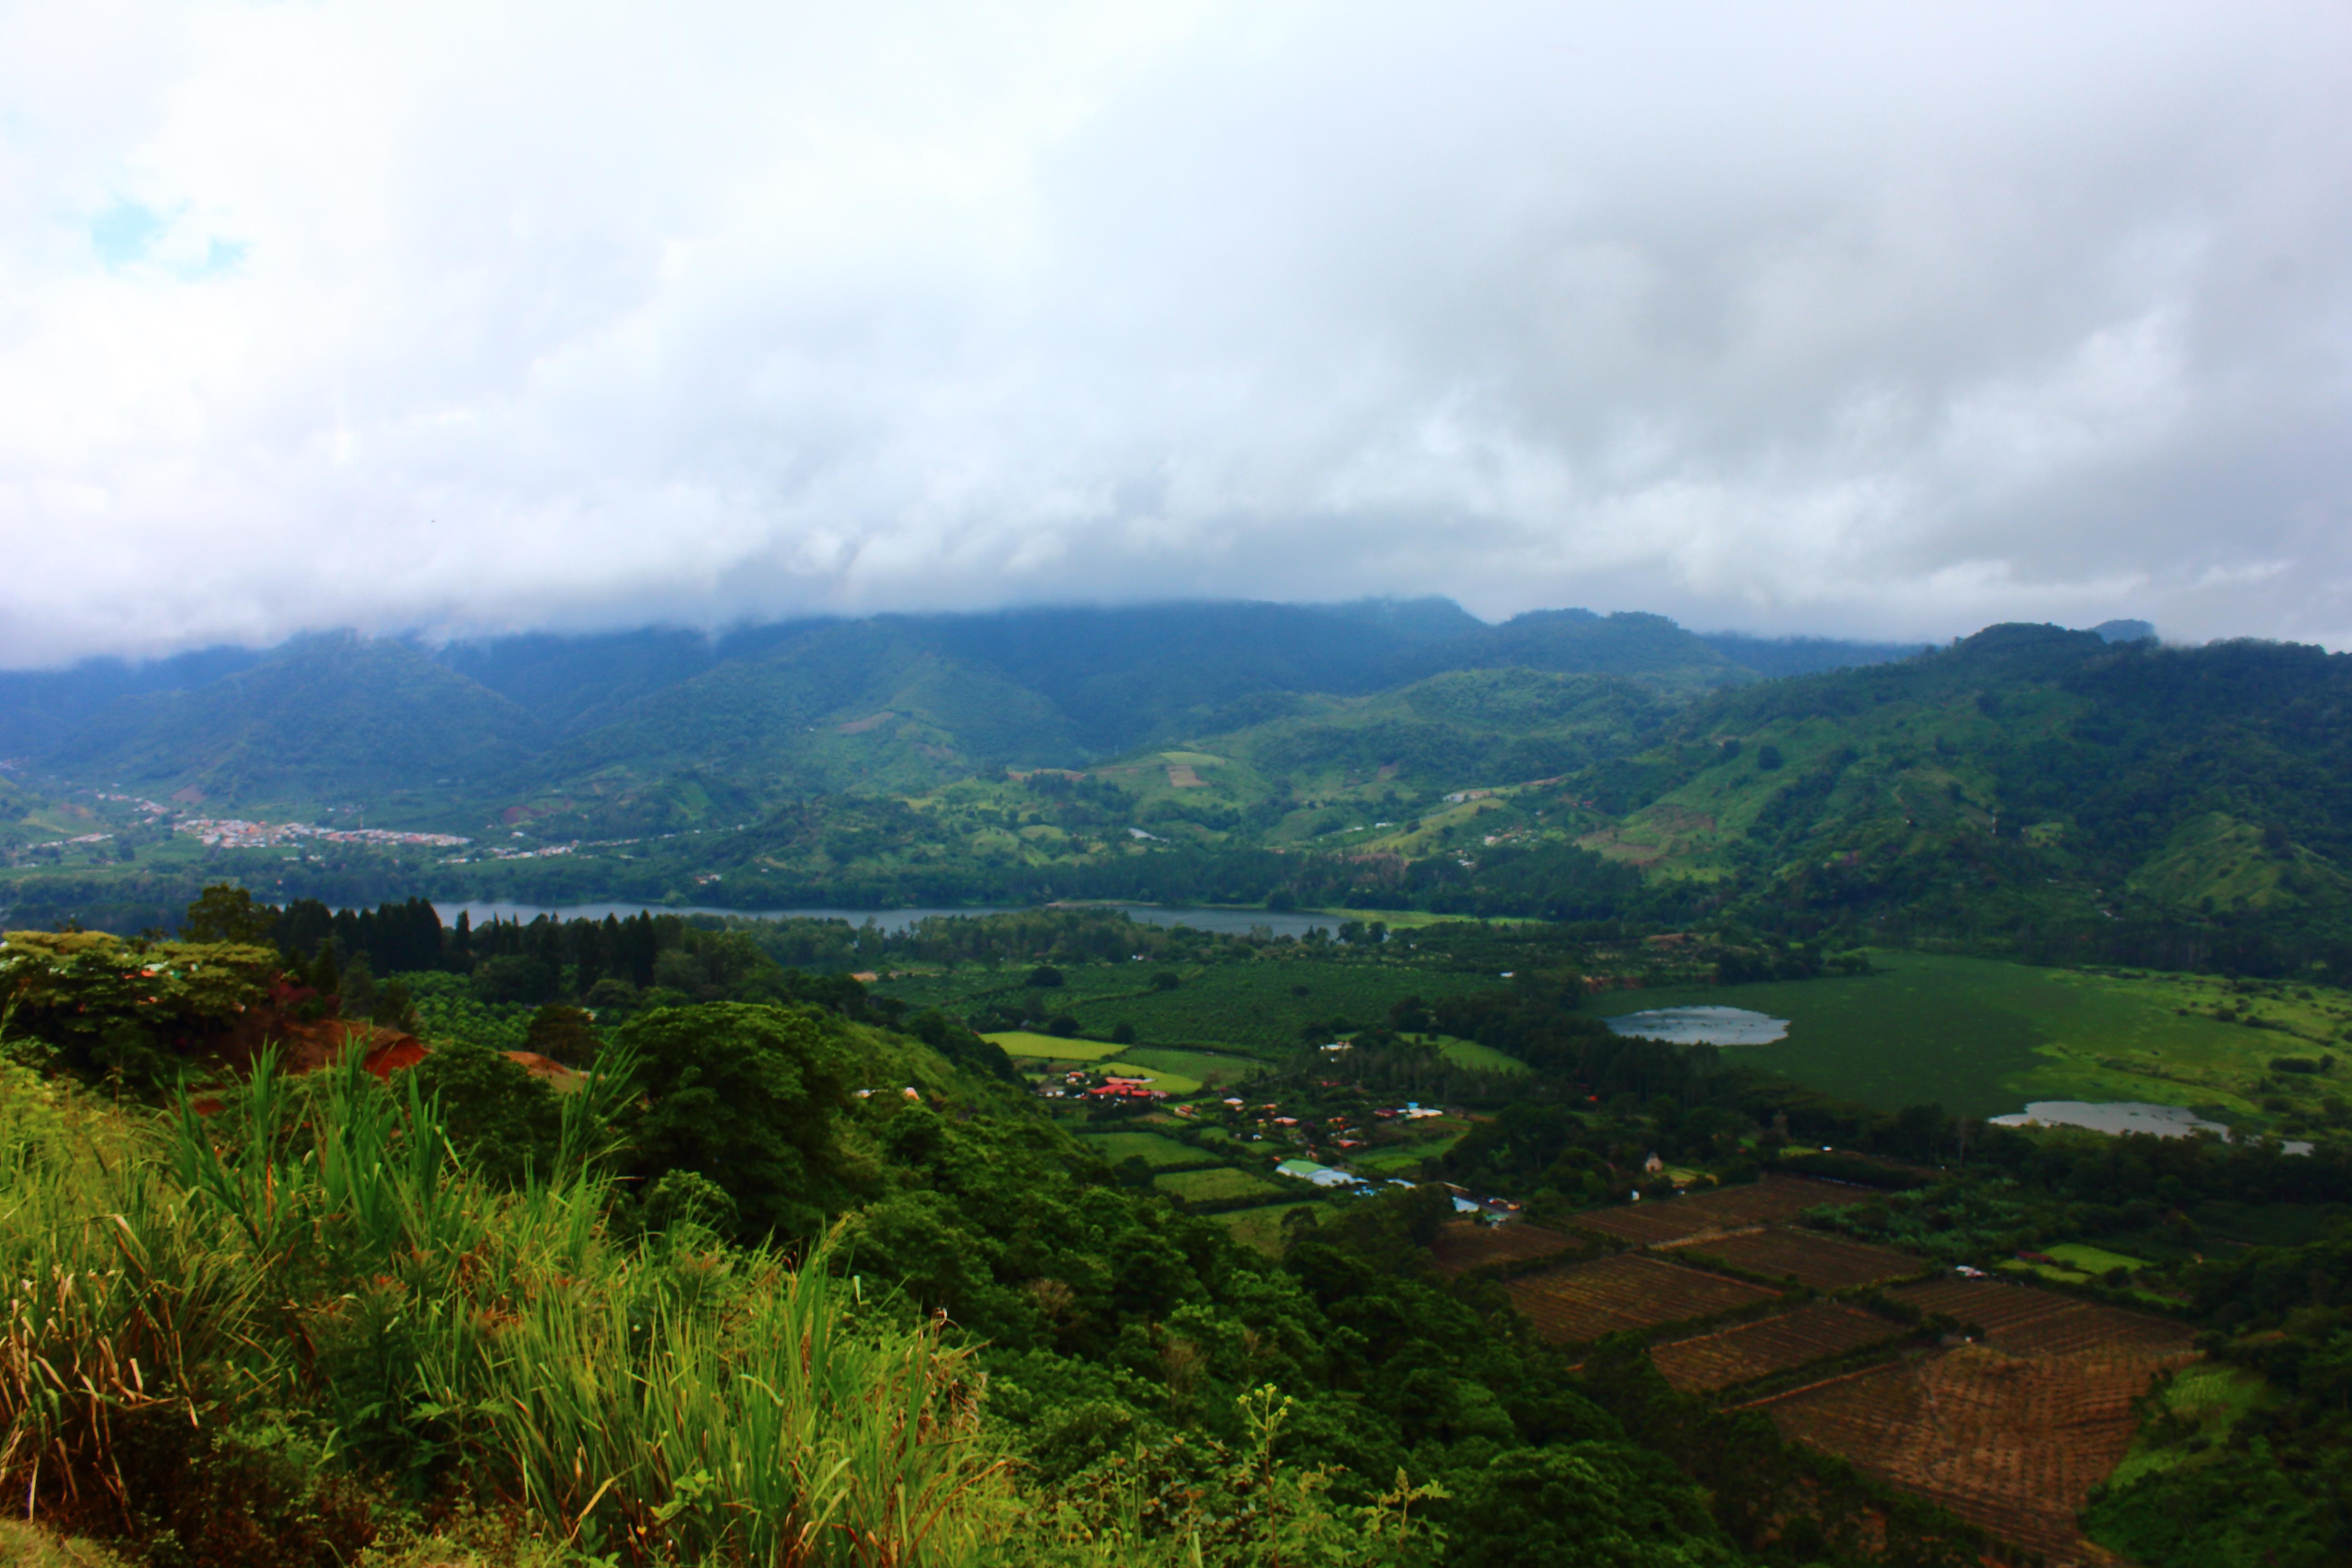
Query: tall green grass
<point x="314" y="1245"/>
<point x="309" y="1256"/>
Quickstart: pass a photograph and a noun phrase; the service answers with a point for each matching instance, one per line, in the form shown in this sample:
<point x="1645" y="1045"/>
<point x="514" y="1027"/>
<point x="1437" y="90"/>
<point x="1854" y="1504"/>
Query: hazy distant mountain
<point x="2124" y="631"/>
<point x="324" y="717"/>
<point x="40" y="708"/>
<point x="592" y="722"/>
<point x="1778" y="657"/>
<point x="1630" y="645"/>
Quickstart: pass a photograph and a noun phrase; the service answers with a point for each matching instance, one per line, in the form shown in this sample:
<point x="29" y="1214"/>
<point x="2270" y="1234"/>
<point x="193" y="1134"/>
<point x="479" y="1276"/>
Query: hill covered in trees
<point x="2029" y="789"/>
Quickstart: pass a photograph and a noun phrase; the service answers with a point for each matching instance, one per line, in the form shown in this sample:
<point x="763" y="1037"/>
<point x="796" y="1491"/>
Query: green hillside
<point x="321" y="719"/>
<point x="2026" y="776"/>
<point x="2029" y="790"/>
<point x="853" y="707"/>
<point x="653" y="731"/>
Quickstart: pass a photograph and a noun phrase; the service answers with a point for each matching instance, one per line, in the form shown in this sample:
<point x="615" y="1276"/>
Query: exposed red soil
<point x="2011" y="1443"/>
<point x="1746" y="1351"/>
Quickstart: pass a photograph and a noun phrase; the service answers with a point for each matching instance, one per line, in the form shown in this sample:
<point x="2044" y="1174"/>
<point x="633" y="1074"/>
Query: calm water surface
<point x="1237" y="922"/>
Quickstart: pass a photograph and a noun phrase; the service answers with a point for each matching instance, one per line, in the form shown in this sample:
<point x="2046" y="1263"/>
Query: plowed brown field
<point x="2021" y="1320"/>
<point x="1818" y="1262"/>
<point x="1582" y="1302"/>
<point x="1724" y="1208"/>
<point x="1749" y="1350"/>
<point x="1462" y="1244"/>
<point x="2012" y="1443"/>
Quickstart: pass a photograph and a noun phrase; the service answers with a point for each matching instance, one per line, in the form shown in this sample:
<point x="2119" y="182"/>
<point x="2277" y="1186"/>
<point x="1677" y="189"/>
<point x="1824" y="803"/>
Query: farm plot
<point x="1774" y="1198"/>
<point x="1261" y="1009"/>
<point x="1155" y="1149"/>
<point x="1197" y="1066"/>
<point x="2021" y="1320"/>
<point x="1220" y="1184"/>
<point x="2013" y="1444"/>
<point x="1462" y="1244"/>
<point x="1582" y="1302"/>
<point x="1050" y="1048"/>
<point x="1817" y="1262"/>
<point x="1161" y="1079"/>
<point x="1649" y="1225"/>
<point x="1820" y="1331"/>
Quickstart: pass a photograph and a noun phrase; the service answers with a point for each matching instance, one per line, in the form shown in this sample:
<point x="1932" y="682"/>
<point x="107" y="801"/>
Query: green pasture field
<point x="1253" y="1007"/>
<point x="1209" y="1068"/>
<point x="2092" y="1259"/>
<point x="1163" y="1079"/>
<point x="1399" y="1159"/>
<point x="1161" y="1153"/>
<point x="1050" y="1048"/>
<point x="1262" y="1227"/>
<point x="1982" y="1037"/>
<point x="1477" y="1057"/>
<point x="971" y="985"/>
<point x="1219" y="1184"/>
<point x="1256" y="1007"/>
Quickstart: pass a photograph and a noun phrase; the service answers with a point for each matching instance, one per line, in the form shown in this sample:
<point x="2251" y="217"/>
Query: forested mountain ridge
<point x="323" y="718"/>
<point x="333" y="717"/>
<point x="2051" y="791"/>
<point x="2129" y="778"/>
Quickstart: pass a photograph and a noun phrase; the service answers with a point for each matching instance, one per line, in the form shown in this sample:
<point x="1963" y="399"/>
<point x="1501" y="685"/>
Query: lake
<point x="1238" y="922"/>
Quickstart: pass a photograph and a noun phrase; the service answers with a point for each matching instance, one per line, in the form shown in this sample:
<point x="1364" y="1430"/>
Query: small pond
<point x="1702" y="1026"/>
<point x="2124" y="1116"/>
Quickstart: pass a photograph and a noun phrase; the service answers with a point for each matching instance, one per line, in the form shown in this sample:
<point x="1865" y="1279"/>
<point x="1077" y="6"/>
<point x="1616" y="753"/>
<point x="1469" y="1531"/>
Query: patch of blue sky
<point x="129" y="233"/>
<point x="125" y="232"/>
<point x="220" y="256"/>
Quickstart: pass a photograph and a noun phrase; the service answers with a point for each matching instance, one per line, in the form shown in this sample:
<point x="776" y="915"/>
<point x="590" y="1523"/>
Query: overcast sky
<point x="1859" y="318"/>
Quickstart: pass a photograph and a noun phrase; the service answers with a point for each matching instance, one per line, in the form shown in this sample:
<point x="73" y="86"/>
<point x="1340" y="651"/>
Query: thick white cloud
<point x="1838" y="317"/>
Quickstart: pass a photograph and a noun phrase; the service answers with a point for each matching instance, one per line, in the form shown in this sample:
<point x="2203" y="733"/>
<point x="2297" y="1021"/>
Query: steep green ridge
<point x="40" y="708"/>
<point x="1465" y="727"/>
<point x="847" y="706"/>
<point x="2025" y="774"/>
<point x="321" y="719"/>
<point x="573" y="683"/>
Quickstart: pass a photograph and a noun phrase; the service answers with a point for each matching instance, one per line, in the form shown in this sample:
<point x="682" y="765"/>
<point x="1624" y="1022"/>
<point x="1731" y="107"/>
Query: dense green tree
<point x="501" y="1120"/>
<point x="565" y="1034"/>
<point x="134" y="1014"/>
<point x="1582" y="1505"/>
<point x="223" y="913"/>
<point x="752" y="1096"/>
<point x="514" y="978"/>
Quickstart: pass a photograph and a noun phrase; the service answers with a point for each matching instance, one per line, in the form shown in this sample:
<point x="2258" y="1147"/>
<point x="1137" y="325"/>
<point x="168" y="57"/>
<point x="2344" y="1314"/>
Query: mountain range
<point x="2054" y="790"/>
<point x="890" y="702"/>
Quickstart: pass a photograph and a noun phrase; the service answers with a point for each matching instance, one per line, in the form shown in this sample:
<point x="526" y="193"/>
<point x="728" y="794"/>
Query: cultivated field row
<point x="2010" y="1434"/>
<point x="1821" y="1330"/>
<point x="2011" y="1443"/>
<point x="1816" y="1262"/>
<point x="1583" y="1301"/>
<point x="1775" y="1198"/>
<point x="2021" y="1320"/>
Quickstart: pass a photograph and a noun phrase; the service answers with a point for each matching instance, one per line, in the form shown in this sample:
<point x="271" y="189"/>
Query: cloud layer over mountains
<point x="1830" y="317"/>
